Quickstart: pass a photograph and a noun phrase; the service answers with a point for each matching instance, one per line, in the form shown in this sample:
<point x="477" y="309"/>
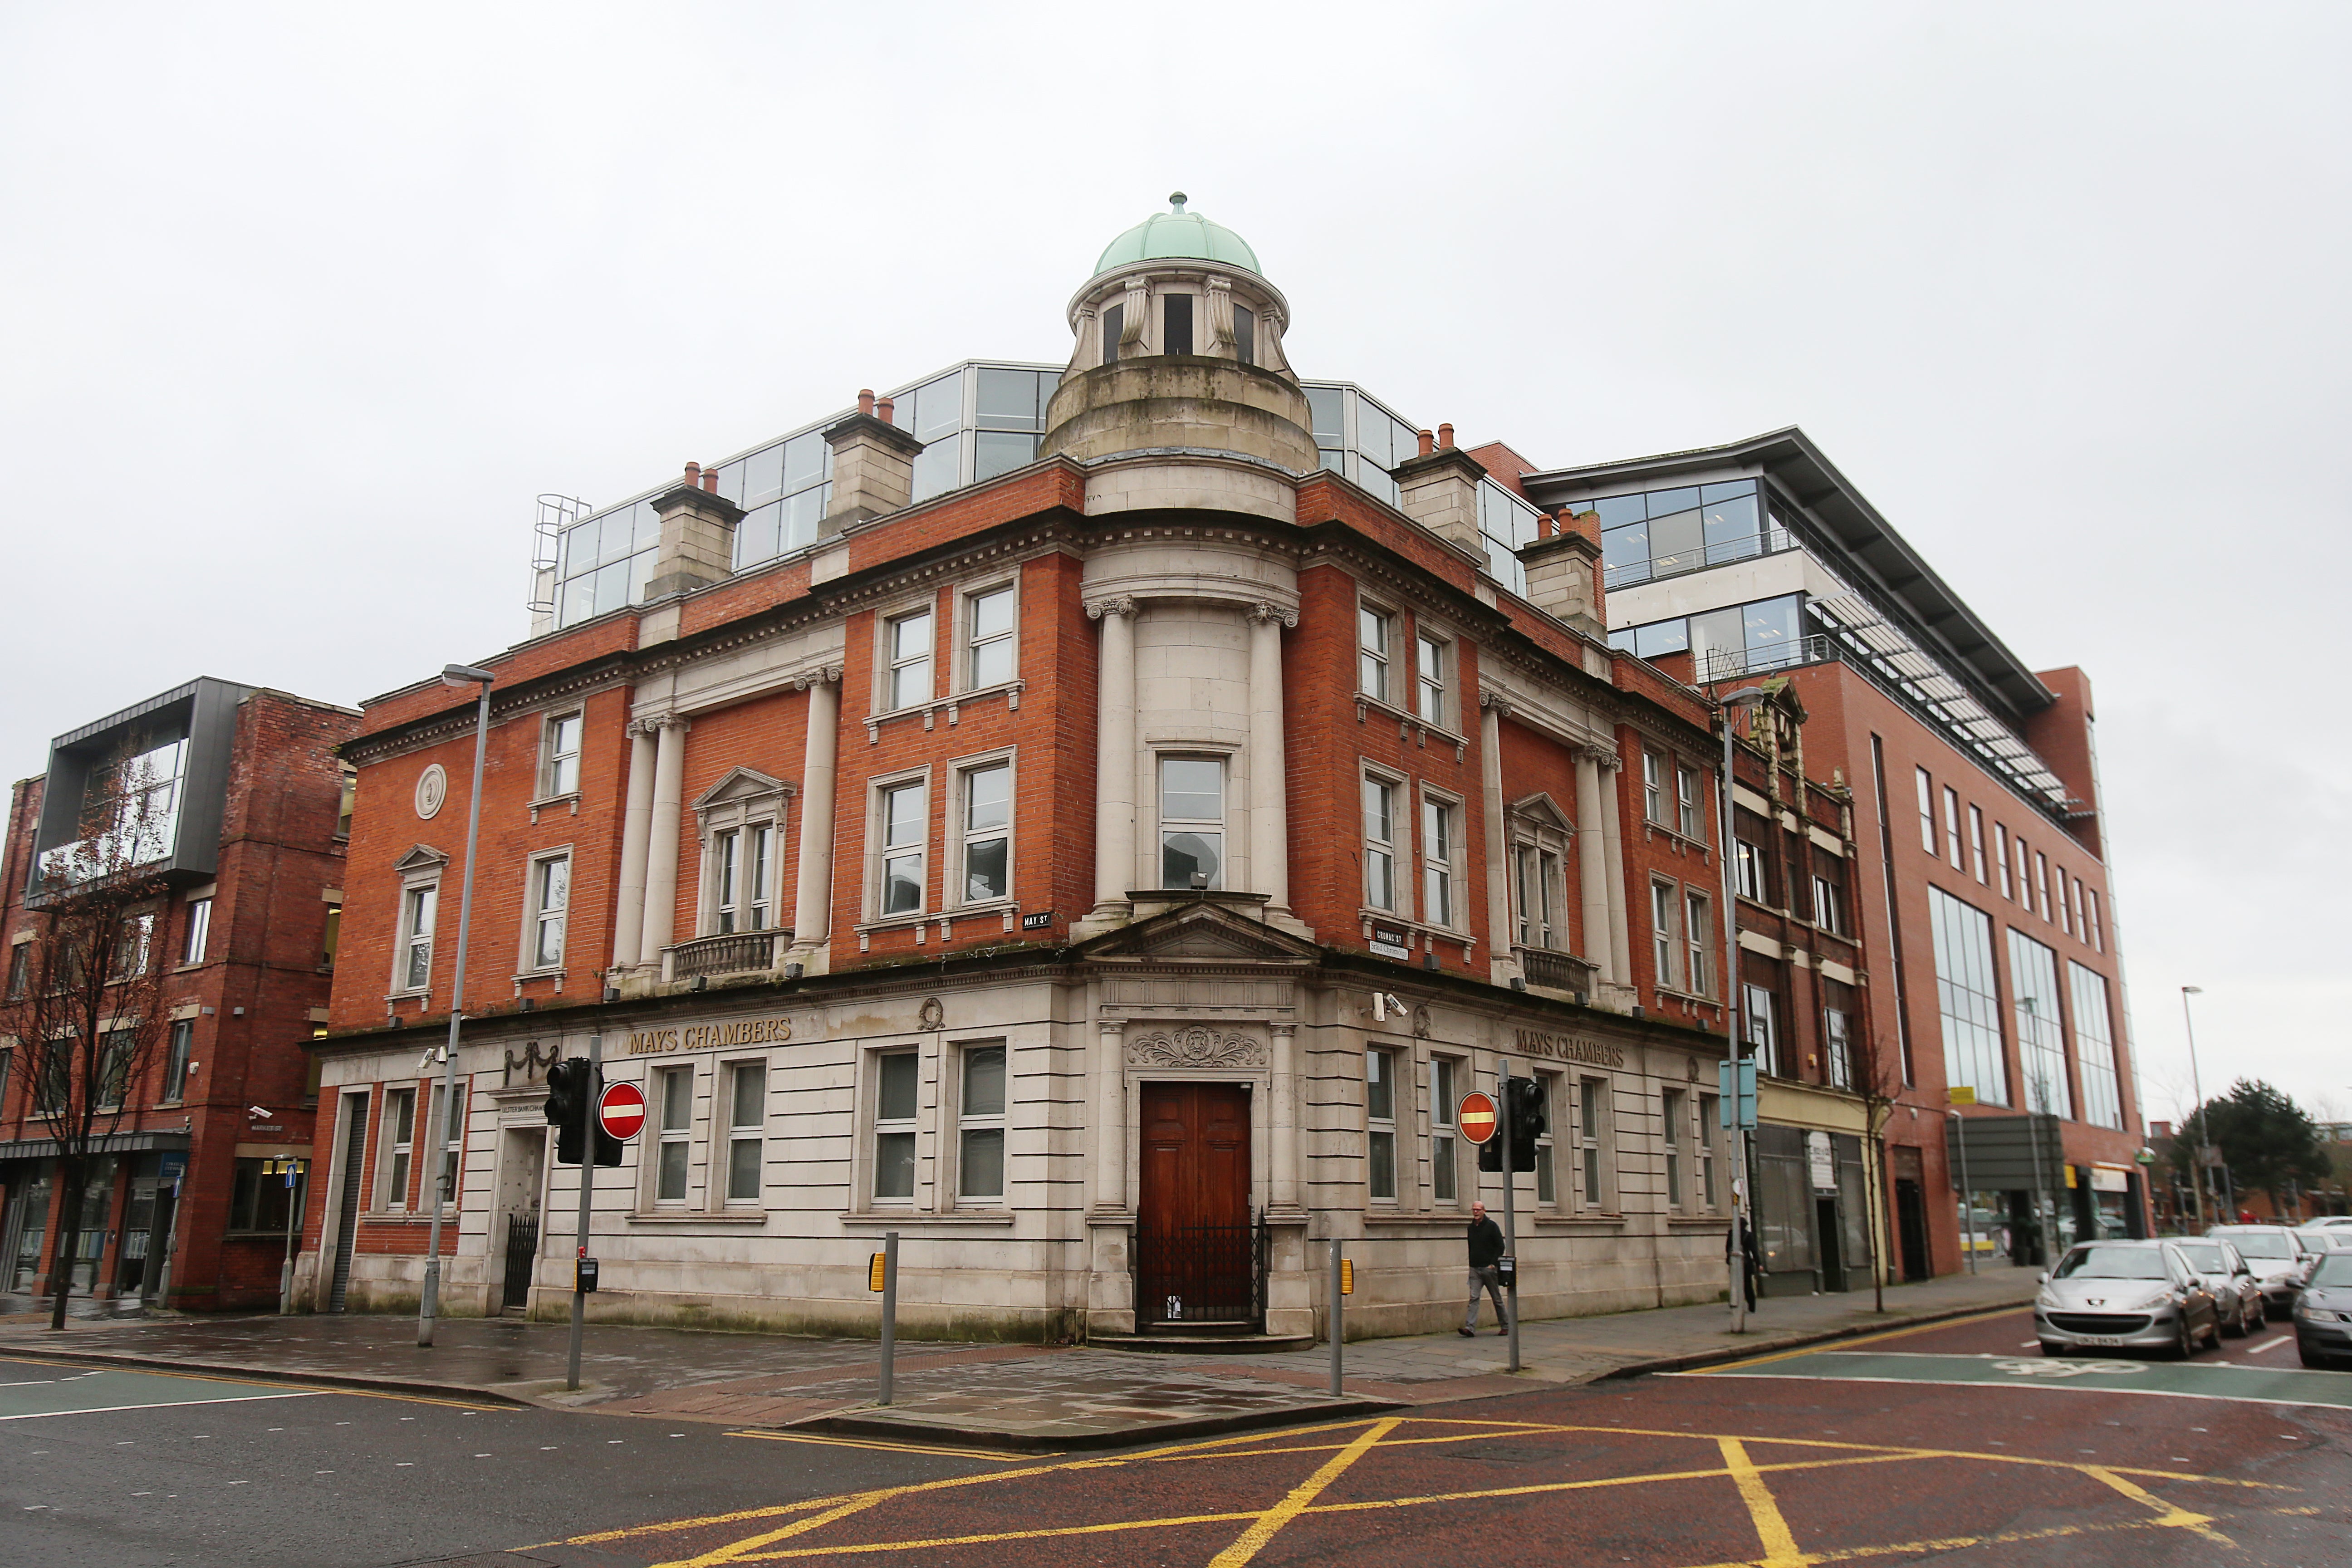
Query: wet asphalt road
<point x="1952" y="1445"/>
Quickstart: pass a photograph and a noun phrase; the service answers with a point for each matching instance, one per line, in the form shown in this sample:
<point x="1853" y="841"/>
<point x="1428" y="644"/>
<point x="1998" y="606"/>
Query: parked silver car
<point x="2279" y="1257"/>
<point x="2109" y="1295"/>
<point x="2223" y="1272"/>
<point x="2322" y="1317"/>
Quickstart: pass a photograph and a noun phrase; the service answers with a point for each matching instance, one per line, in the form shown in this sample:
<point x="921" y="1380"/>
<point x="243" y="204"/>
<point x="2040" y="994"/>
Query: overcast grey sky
<point x="301" y="306"/>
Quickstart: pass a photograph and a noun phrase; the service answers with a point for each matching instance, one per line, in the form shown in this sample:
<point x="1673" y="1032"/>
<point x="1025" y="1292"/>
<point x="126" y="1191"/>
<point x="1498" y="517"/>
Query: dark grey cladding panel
<point x="203" y="711"/>
<point x="2003" y="1150"/>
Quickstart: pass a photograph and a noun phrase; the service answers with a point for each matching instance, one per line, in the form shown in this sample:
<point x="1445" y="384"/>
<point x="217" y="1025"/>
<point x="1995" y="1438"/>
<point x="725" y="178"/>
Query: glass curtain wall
<point x="2041" y="1033"/>
<point x="1967" y="995"/>
<point x="1737" y="639"/>
<point x="1662" y="533"/>
<point x="2095" y="1048"/>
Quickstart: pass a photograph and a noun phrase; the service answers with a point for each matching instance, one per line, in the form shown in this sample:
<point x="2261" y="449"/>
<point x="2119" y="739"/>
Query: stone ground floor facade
<point x="1158" y="1129"/>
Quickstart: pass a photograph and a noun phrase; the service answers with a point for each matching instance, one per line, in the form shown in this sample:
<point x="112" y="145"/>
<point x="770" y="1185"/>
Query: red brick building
<point x="1095" y="821"/>
<point x="252" y="859"/>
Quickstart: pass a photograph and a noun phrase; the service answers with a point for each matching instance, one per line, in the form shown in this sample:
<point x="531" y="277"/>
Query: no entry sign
<point x="621" y="1111"/>
<point x="1477" y="1117"/>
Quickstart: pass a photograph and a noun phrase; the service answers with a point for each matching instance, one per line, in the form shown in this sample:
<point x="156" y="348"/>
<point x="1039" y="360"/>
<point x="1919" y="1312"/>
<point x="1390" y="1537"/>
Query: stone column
<point x="1115" y="804"/>
<point x="629" y="916"/>
<point x="1499" y="935"/>
<point x="820" y="755"/>
<point x="1612" y="837"/>
<point x="1591" y="863"/>
<point x="1282" y="1130"/>
<point x="661" y="839"/>
<point x="1111" y="1117"/>
<point x="1269" y="795"/>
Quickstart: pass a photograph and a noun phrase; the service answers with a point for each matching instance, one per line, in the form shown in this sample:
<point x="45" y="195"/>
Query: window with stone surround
<point x="1375" y="642"/>
<point x="397" y="1135"/>
<point x="1381" y="822"/>
<point x="980" y="1123"/>
<point x="1591" y="1142"/>
<point x="899" y="835"/>
<point x="1444" y="1075"/>
<point x="1653" y="787"/>
<point x="1547" y="1165"/>
<point x="1441" y="861"/>
<point x="906" y="661"/>
<point x="559" y="756"/>
<point x="420" y="899"/>
<point x="548" y="884"/>
<point x="747" y="1120"/>
<point x="991" y="617"/>
<point x="984" y="844"/>
<point x="1191" y="822"/>
<point x="200" y="926"/>
<point x="896" y="1092"/>
<point x="1688" y="820"/>
<point x="1710" y="1116"/>
<point x="1698" y="939"/>
<point x="673" y="1099"/>
<point x="1432" y="660"/>
<point x="1672" y="1123"/>
<point x="740" y="820"/>
<point x="1761" y="1024"/>
<point x="1380" y="1068"/>
<point x="1664" y="939"/>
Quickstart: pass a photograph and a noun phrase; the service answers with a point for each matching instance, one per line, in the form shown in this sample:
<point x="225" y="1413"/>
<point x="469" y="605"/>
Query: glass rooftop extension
<point x="977" y="419"/>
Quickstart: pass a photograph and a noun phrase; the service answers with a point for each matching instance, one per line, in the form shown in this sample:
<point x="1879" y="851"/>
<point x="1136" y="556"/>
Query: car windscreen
<point x="2262" y="1245"/>
<point x="2112" y="1263"/>
<point x="2206" y="1259"/>
<point x="2335" y="1269"/>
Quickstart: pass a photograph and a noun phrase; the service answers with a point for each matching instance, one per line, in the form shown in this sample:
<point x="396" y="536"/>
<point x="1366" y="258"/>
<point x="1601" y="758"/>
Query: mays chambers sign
<point x="1570" y="1048"/>
<point x="710" y="1037"/>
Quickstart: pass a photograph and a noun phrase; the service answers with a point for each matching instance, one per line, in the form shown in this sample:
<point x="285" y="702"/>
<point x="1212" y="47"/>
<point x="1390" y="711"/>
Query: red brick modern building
<point x="1991" y="934"/>
<point x="250" y="852"/>
<point x="1095" y="821"/>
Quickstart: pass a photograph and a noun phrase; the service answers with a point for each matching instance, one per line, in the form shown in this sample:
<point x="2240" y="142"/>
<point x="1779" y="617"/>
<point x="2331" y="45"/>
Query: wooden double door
<point x="1199" y="1259"/>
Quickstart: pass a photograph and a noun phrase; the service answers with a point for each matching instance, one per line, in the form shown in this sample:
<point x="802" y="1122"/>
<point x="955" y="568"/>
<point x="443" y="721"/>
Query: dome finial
<point x="1176" y="201"/>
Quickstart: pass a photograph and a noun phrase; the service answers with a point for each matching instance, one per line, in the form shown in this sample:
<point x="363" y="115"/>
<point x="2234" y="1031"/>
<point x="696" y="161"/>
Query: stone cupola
<point x="1179" y="347"/>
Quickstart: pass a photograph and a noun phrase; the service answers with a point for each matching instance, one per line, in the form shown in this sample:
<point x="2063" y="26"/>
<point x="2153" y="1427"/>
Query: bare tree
<point x="87" y="1009"/>
<point x="1878" y="1079"/>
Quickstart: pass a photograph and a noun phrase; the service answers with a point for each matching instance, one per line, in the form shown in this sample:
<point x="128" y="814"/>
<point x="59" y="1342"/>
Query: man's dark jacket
<point x="1486" y="1243"/>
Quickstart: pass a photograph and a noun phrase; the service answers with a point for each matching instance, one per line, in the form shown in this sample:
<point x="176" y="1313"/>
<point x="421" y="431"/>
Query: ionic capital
<point x="1265" y="611"/>
<point x="1120" y="605"/>
<point x="828" y="675"/>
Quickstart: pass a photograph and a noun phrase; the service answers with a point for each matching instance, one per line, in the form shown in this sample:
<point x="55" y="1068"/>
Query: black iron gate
<point x="522" y="1256"/>
<point x="1201" y="1276"/>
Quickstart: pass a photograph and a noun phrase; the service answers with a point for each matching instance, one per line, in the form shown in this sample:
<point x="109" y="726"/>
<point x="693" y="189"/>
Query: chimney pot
<point x="1547" y="524"/>
<point x="711" y="479"/>
<point x="1445" y="434"/>
<point x="884" y="408"/>
<point x="1428" y="443"/>
<point x="865" y="400"/>
<point x="694" y="473"/>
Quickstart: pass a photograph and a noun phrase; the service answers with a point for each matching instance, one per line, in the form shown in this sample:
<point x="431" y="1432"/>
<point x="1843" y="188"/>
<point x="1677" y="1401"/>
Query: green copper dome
<point x="1177" y="235"/>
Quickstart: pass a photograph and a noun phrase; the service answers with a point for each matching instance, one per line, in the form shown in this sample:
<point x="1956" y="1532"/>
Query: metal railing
<point x="1626" y="574"/>
<point x="1731" y="663"/>
<point x="1554" y="970"/>
<point x="737" y="953"/>
<point x="1200" y="1274"/>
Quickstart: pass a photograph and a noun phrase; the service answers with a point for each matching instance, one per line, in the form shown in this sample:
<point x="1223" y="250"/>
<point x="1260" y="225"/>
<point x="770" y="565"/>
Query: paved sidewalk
<point x="997" y="1395"/>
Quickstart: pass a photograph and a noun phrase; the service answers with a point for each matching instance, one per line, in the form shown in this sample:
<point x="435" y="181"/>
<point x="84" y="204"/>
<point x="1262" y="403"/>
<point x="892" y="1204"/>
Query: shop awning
<point x="110" y="1143"/>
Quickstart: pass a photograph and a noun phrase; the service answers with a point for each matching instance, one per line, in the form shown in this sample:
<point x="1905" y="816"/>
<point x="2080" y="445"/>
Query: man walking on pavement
<point x="1486" y="1254"/>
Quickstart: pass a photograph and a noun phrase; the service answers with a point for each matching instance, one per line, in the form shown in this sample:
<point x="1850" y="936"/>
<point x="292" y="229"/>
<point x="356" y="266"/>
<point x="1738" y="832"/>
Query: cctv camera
<point x="258" y="1112"/>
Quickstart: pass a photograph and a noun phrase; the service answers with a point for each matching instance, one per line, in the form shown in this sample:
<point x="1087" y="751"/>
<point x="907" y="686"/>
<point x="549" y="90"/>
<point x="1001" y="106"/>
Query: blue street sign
<point x="1738" y="1105"/>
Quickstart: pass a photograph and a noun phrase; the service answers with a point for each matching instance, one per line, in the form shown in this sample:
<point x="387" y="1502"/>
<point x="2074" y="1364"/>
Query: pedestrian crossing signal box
<point x="1347" y="1276"/>
<point x="1506" y="1271"/>
<point x="877" y="1270"/>
<point x="586" y="1281"/>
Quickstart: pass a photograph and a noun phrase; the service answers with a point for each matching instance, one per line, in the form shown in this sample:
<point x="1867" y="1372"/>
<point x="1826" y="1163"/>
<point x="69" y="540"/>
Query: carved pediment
<point x="1540" y="808"/>
<point x="420" y="858"/>
<point x="1205" y="933"/>
<point x="741" y="785"/>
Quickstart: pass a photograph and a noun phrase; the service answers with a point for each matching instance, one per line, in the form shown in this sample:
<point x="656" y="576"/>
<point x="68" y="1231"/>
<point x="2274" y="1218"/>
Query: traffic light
<point x="1490" y="1153"/>
<point x="572" y="1088"/>
<point x="1526" y="1110"/>
<point x="567" y="1109"/>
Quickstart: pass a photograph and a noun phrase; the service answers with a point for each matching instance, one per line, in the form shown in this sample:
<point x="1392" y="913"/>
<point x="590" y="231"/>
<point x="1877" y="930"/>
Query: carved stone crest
<point x="1198" y="1046"/>
<point x="1421" y="1021"/>
<point x="933" y="1015"/>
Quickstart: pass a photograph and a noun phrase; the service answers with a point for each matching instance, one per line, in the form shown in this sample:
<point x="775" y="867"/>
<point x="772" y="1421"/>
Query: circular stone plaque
<point x="432" y="789"/>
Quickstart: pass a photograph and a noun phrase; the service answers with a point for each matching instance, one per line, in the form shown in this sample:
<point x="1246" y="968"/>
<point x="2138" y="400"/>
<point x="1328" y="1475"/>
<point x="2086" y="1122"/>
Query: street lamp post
<point x="2197" y="1087"/>
<point x="429" y="1305"/>
<point x="1746" y="697"/>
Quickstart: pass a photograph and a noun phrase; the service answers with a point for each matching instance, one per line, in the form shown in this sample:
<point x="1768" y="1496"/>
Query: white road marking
<point x="2028" y="1345"/>
<point x="2270" y="1345"/>
<point x="164" y="1405"/>
<point x="29" y="1383"/>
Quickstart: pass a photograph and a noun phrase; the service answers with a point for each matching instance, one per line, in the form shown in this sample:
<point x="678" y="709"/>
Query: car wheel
<point x="2185" y="1344"/>
<point x="2310" y="1358"/>
<point x="2258" y="1314"/>
<point x="2049" y="1348"/>
<point x="2213" y="1334"/>
<point x="2236" y="1327"/>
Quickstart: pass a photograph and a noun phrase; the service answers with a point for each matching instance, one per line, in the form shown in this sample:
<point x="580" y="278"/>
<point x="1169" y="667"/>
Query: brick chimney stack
<point x="1564" y="573"/>
<point x="873" y="466"/>
<point x="698" y="534"/>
